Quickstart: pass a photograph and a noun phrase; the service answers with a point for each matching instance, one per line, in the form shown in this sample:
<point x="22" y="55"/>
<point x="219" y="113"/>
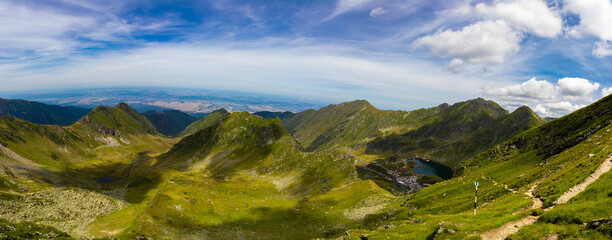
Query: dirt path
<point x="603" y="168"/>
<point x="513" y="227"/>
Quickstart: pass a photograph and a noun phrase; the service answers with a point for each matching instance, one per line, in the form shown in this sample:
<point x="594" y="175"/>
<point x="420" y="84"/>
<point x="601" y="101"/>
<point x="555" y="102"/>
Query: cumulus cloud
<point x="576" y="88"/>
<point x="557" y="109"/>
<point x="524" y="93"/>
<point x="533" y="15"/>
<point x="377" y="12"/>
<point x="546" y="98"/>
<point x="595" y="18"/>
<point x="498" y="35"/>
<point x="606" y="91"/>
<point x="482" y="42"/>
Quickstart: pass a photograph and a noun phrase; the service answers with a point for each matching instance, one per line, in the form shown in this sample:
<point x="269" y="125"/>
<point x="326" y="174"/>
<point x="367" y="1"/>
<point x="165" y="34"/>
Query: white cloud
<point x="602" y="49"/>
<point x="534" y="15"/>
<point x="315" y="71"/>
<point x="595" y="18"/>
<point x="343" y="6"/>
<point x="482" y="42"/>
<point x="455" y="65"/>
<point x="526" y="92"/>
<point x="40" y="30"/>
<point x="377" y="12"/>
<point x="606" y="91"/>
<point x="576" y="88"/>
<point x="23" y="28"/>
<point x="546" y="98"/>
<point x="557" y="109"/>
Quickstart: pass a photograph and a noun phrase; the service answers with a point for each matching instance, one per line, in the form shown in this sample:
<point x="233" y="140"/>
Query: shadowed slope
<point x="41" y="113"/>
<point x="169" y="122"/>
<point x="462" y="131"/>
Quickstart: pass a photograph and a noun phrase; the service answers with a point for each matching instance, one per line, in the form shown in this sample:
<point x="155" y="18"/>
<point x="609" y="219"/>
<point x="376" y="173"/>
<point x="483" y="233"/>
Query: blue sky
<point x="554" y="56"/>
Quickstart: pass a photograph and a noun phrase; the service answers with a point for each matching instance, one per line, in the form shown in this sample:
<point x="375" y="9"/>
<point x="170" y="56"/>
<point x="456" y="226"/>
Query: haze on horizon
<point x="553" y="56"/>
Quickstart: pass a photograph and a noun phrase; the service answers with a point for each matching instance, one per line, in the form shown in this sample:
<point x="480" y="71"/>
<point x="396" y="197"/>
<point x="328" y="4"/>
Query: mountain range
<point x="41" y="113"/>
<point x="116" y="173"/>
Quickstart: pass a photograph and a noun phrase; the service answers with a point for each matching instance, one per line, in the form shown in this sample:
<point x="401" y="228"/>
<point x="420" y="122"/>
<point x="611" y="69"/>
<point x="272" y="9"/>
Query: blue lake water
<point x="433" y="169"/>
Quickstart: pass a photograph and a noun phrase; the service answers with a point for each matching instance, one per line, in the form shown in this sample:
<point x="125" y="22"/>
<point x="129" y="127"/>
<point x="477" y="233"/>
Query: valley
<point x="228" y="175"/>
<point x="305" y="120"/>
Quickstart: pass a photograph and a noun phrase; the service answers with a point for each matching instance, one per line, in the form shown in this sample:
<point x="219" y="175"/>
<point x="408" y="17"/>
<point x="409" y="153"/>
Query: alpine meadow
<point x="294" y="119"/>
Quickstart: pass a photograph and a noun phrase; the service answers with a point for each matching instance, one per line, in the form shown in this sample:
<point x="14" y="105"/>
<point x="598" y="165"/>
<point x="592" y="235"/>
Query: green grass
<point x="543" y="230"/>
<point x="28" y="230"/>
<point x="246" y="177"/>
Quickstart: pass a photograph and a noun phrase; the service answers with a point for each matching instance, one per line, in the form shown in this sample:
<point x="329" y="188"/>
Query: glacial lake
<point x="433" y="169"/>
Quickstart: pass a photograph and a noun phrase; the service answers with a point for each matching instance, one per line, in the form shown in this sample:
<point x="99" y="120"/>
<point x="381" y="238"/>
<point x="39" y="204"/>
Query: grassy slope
<point x="244" y="177"/>
<point x="209" y="120"/>
<point x="280" y="115"/>
<point x="449" y="134"/>
<point x="462" y="131"/>
<point x="352" y="124"/>
<point x="108" y="142"/>
<point x="554" y="156"/>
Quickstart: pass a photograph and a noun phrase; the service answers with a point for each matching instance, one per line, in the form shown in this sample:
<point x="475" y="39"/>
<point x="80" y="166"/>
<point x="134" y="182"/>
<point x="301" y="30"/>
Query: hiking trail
<point x="513" y="227"/>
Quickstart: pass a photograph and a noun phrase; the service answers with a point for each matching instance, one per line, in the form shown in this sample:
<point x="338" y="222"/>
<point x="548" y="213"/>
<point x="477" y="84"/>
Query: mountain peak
<point x="212" y="119"/>
<point x="220" y="111"/>
<point x="122" y="119"/>
<point x="359" y="102"/>
<point x="122" y="105"/>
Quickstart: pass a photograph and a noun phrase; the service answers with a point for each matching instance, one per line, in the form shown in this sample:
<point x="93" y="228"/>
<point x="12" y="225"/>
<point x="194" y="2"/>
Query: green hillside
<point x="447" y="134"/>
<point x="122" y="119"/>
<point x="548" y="163"/>
<point x="70" y="169"/>
<point x="240" y="172"/>
<point x="41" y="113"/>
<point x="462" y="131"/>
<point x="169" y="122"/>
<point x="351" y="124"/>
<point x="241" y="176"/>
<point x="244" y="177"/>
<point x="211" y="119"/>
<point x="280" y="115"/>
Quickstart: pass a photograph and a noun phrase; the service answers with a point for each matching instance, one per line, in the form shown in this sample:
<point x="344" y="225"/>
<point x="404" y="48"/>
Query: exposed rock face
<point x="101" y="128"/>
<point x="599" y="223"/>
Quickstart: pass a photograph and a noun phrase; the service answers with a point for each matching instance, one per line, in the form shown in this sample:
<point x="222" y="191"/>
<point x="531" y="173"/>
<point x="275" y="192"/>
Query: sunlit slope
<point x="551" y="159"/>
<point x="70" y="169"/>
<point x="62" y="148"/>
<point x="352" y="124"/>
<point x="447" y="134"/>
<point x="211" y="119"/>
<point x="464" y="130"/>
<point x="247" y="142"/>
<point x="244" y="177"/>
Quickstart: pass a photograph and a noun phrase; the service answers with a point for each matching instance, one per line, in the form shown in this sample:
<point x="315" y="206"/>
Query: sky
<point x="553" y="56"/>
